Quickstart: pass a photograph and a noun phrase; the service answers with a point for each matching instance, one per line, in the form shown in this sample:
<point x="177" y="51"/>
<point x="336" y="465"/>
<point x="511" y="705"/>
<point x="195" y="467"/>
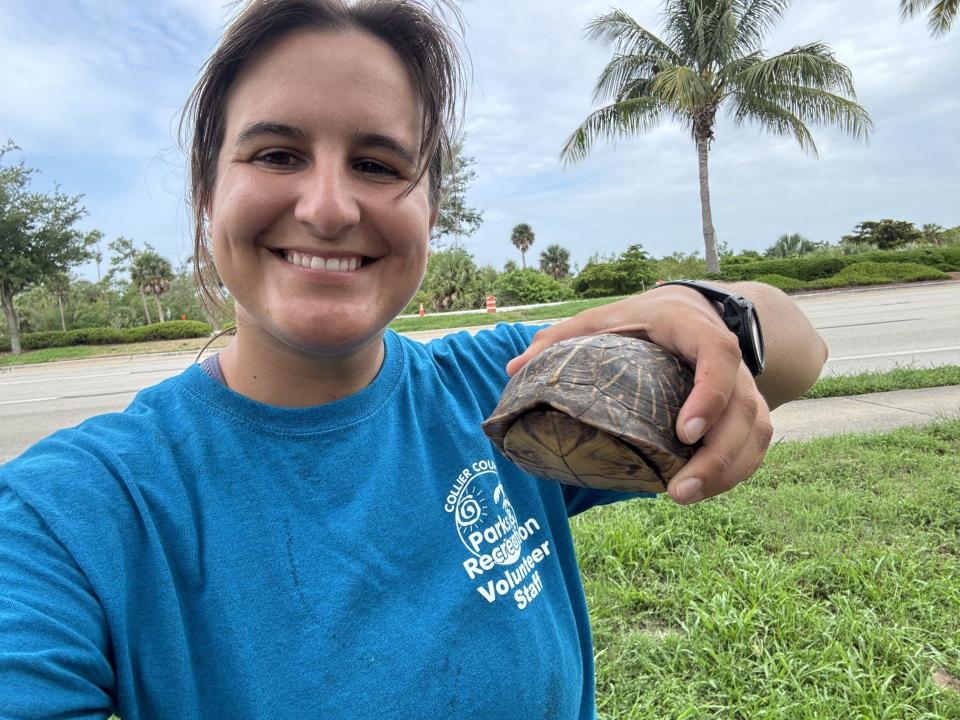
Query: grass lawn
<point x="828" y="586"/>
<point x="904" y="378"/>
<point x="81" y="352"/>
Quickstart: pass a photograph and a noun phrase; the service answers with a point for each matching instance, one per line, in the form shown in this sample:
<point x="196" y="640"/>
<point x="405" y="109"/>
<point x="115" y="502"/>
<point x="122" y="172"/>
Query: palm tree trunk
<point x="146" y="311"/>
<point x="709" y="235"/>
<point x="12" y="325"/>
<point x="523" y="259"/>
<point x="159" y="308"/>
<point x="63" y="321"/>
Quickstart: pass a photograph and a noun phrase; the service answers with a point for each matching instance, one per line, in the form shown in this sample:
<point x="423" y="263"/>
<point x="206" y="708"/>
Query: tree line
<point x="709" y="58"/>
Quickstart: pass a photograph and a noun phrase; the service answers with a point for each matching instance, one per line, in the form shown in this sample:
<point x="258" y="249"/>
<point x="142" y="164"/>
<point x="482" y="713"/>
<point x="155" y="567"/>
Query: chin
<point x="327" y="336"/>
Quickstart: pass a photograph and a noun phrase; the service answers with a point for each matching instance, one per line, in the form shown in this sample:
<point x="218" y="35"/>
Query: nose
<point x="326" y="203"/>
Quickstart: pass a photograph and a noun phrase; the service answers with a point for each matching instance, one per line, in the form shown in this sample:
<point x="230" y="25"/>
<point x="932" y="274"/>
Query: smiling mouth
<point x="350" y="263"/>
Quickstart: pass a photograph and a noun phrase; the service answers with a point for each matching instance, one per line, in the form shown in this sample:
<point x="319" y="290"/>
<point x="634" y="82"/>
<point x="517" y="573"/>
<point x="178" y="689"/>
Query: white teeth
<point x="313" y="262"/>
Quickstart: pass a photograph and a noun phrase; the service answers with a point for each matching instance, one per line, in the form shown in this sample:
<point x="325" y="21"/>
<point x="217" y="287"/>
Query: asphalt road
<point x="865" y="330"/>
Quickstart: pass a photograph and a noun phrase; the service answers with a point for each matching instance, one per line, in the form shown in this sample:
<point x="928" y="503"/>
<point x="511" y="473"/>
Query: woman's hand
<point x="725" y="408"/>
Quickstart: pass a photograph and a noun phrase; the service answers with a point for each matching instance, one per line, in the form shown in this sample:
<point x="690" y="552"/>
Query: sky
<point x="91" y="92"/>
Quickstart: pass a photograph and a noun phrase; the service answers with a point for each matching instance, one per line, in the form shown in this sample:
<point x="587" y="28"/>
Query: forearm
<point x="795" y="353"/>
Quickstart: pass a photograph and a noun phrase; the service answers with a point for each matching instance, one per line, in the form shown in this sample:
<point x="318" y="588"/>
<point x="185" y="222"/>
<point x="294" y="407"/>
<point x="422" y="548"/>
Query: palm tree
<point x="151" y="274"/>
<point x="450" y="276"/>
<point x="59" y="287"/>
<point x="522" y="239"/>
<point x="555" y="261"/>
<point x="711" y="58"/>
<point x="941" y="17"/>
<point x="794" y="245"/>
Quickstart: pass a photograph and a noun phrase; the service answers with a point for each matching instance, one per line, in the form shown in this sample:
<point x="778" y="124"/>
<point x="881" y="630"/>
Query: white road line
<point x="28" y="400"/>
<point x="61" y="379"/>
<point x="919" y="351"/>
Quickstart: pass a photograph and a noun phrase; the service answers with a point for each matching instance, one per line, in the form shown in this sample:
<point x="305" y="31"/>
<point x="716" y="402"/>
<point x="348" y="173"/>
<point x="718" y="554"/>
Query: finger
<point x="730" y="453"/>
<point x="717" y="359"/>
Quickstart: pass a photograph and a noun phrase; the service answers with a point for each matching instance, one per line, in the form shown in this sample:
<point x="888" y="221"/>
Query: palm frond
<point x="628" y="37"/>
<point x="735" y="68"/>
<point x="682" y="87"/>
<point x="812" y="65"/>
<point x="680" y="32"/>
<point x="756" y="18"/>
<point x="622" y="119"/>
<point x="625" y="71"/>
<point x="772" y="118"/>
<point x="941" y="17"/>
<point x="815" y="105"/>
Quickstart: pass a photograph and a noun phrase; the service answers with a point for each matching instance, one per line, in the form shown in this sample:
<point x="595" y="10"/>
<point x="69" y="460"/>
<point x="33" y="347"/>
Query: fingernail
<point x="688" y="491"/>
<point x="694" y="429"/>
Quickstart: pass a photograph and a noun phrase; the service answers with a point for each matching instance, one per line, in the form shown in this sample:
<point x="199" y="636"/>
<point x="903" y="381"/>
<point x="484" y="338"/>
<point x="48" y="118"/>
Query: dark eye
<point x="278" y="158"/>
<point x="375" y="168"/>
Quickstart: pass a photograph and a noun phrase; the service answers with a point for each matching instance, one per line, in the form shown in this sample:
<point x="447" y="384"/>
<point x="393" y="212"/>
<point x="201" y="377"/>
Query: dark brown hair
<point x="415" y="30"/>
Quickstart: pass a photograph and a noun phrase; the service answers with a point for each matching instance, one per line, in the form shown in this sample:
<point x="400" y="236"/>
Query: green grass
<point x="81" y="352"/>
<point x="30" y="357"/>
<point x="904" y="378"/>
<point x="439" y="321"/>
<point x="828" y="586"/>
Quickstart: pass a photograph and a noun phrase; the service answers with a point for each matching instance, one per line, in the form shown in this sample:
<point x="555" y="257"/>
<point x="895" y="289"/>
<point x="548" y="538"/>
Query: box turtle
<point x="597" y="411"/>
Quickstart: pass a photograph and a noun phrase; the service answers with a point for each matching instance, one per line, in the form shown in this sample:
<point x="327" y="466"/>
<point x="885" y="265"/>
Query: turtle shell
<point x="597" y="411"/>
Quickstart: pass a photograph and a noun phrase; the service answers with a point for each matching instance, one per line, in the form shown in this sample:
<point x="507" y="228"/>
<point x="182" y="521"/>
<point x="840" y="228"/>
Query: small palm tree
<point x="555" y="261"/>
<point x="450" y="277"/>
<point x="794" y="245"/>
<point x="711" y="58"/>
<point x="522" y="239"/>
<point x="151" y="274"/>
<point x="933" y="233"/>
<point x="941" y="17"/>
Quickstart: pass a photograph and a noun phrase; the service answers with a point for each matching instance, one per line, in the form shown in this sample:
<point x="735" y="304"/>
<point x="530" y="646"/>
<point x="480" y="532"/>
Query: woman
<point x="313" y="523"/>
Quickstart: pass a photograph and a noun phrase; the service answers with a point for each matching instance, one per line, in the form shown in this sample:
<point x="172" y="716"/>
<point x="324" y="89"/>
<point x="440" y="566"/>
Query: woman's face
<point x="312" y="232"/>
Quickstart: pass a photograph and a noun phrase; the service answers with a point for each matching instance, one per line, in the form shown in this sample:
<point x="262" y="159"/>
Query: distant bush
<point x="522" y="287"/>
<point x="173" y="330"/>
<point x="874" y="273"/>
<point x="630" y="272"/>
<point x="820" y="267"/>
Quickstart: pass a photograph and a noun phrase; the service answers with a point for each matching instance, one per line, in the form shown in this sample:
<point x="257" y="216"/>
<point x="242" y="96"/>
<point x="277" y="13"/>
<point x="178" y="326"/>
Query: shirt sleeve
<point x="54" y="646"/>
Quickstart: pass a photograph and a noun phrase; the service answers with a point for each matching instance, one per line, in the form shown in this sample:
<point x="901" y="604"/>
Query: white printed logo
<point x="488" y="528"/>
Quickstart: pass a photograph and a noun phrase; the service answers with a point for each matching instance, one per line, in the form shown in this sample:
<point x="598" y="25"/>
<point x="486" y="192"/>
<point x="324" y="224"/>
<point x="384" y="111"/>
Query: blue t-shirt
<point x="205" y="555"/>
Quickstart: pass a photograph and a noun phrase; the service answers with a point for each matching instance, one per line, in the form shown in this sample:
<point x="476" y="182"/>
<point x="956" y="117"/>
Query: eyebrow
<point x="389" y="144"/>
<point x="259" y="129"/>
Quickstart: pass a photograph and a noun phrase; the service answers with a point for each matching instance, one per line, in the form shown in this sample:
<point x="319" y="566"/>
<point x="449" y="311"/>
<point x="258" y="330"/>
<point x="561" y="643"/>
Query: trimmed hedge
<point x="820" y="267"/>
<point x="860" y="273"/>
<point x="173" y="330"/>
<point x="783" y="282"/>
<point x="874" y="273"/>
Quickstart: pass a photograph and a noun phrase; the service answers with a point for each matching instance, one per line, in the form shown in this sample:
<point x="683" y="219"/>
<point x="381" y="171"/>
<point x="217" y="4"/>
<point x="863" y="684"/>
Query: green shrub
<point x="605" y="279"/>
<point x="173" y="330"/>
<point x="878" y="273"/>
<point x="521" y="287"/>
<point x="820" y="267"/>
<point x="787" y="284"/>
